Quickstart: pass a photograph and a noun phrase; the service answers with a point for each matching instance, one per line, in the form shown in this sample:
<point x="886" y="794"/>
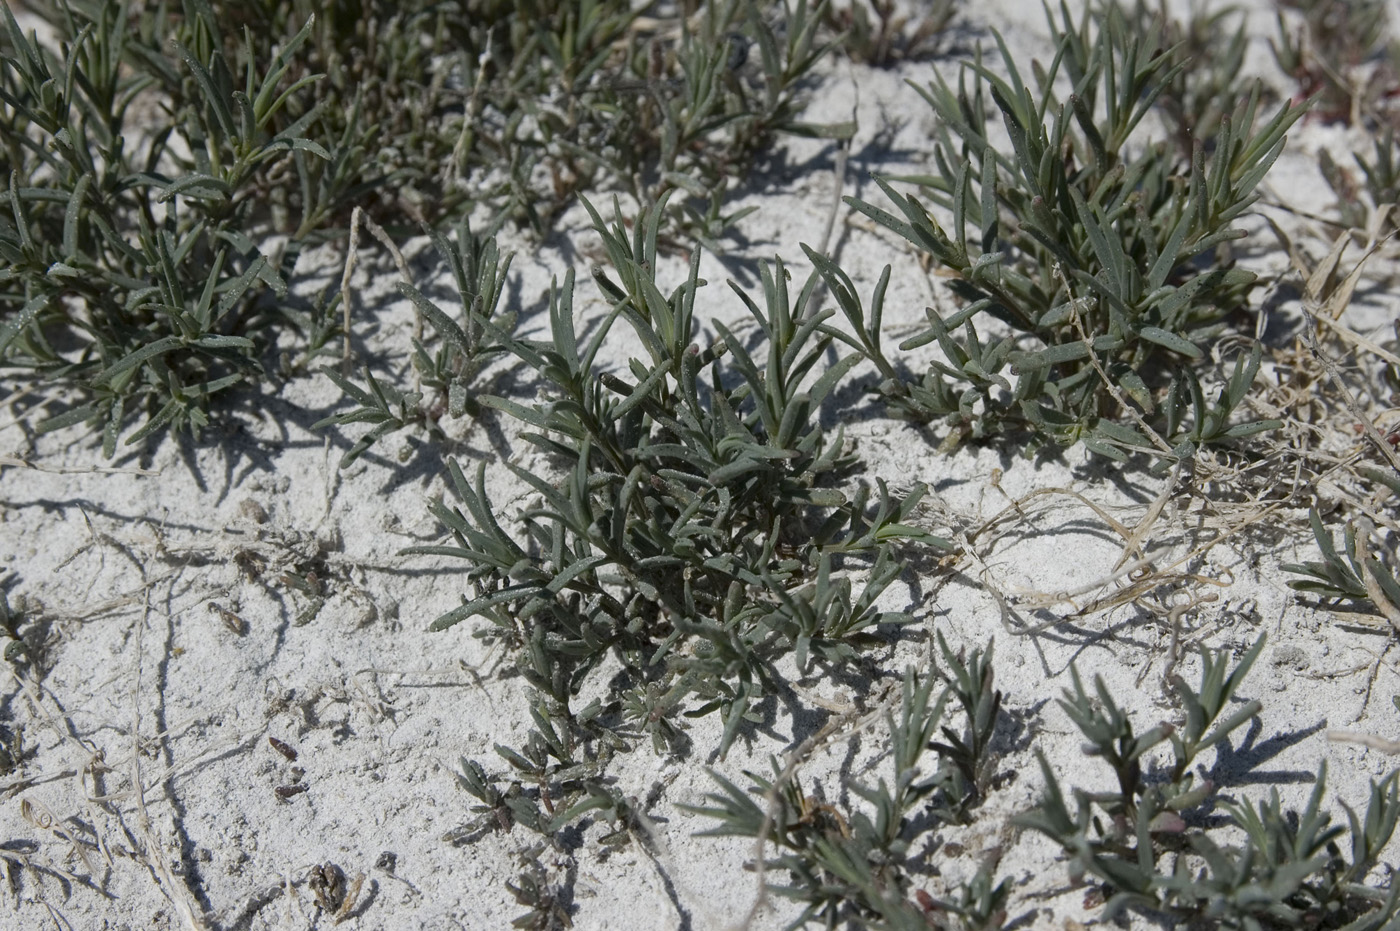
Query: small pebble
<point x="252" y="511"/>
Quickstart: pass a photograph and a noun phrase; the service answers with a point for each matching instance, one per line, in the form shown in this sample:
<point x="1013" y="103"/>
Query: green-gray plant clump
<point x="611" y="95"/>
<point x="521" y="106"/>
<point x="1147" y="840"/>
<point x="166" y="166"/>
<point x="857" y="866"/>
<point x="127" y="268"/>
<point x="701" y="520"/>
<point x="433" y="108"/>
<point x="1104" y="256"/>
<point x="689" y="112"/>
<point x="701" y="529"/>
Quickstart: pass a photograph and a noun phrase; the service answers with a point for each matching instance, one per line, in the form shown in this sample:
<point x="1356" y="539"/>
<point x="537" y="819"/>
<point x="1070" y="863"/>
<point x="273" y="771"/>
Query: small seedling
<point x="1353" y="572"/>
<point x="1379" y="183"/>
<point x="880" y="34"/>
<point x="1341" y="55"/>
<point x="548" y="904"/>
<point x="967" y="762"/>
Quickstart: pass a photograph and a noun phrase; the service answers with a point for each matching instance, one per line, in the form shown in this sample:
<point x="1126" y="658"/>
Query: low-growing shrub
<point x="1090" y="265"/>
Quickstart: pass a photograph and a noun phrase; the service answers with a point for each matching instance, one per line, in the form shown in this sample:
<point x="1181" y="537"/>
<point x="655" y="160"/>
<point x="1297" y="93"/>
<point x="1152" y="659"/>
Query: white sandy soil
<point x="147" y="796"/>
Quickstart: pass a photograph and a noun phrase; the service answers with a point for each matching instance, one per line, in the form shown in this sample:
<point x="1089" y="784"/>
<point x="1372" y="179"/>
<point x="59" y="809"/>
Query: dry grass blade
<point x="1387" y="452"/>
